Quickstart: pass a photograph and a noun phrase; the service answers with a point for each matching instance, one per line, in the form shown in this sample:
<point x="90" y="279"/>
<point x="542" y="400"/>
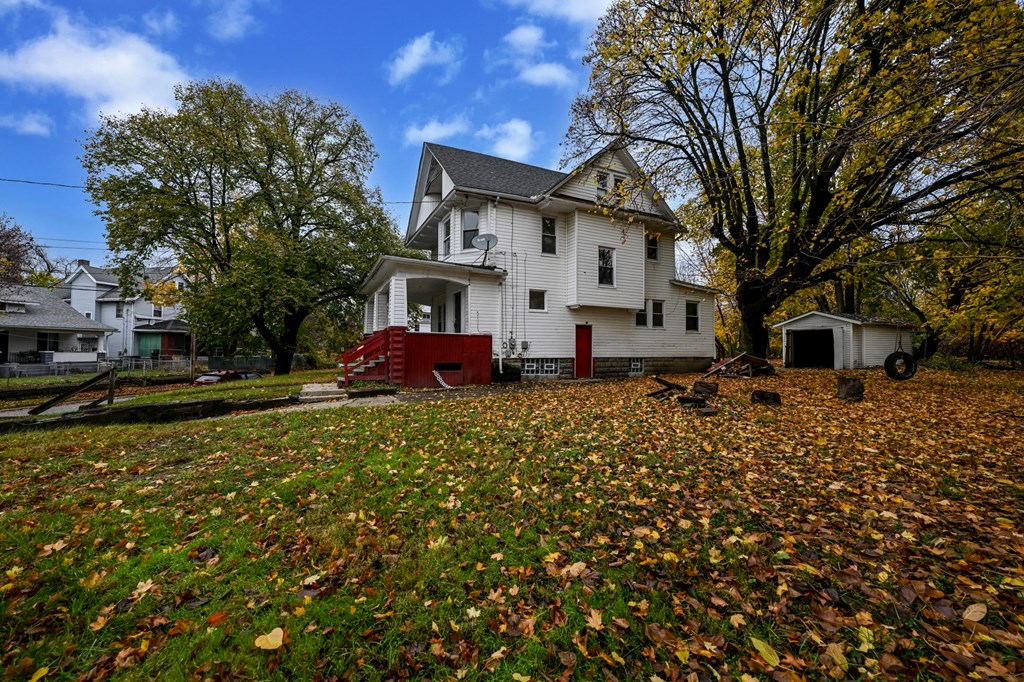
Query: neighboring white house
<point x="571" y="285"/>
<point x="841" y="340"/>
<point x="142" y="328"/>
<point x="37" y="327"/>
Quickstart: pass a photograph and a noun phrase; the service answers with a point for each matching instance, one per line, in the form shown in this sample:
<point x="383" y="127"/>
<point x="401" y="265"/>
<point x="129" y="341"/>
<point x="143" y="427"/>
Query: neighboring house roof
<point x="696" y="287"/>
<point x="849" y="317"/>
<point x="45" y="310"/>
<point x="163" y="327"/>
<point x="108" y="277"/>
<point x="473" y="170"/>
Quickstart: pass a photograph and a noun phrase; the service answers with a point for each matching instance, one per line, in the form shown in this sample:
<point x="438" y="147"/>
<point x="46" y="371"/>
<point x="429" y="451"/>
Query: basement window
<point x="540" y="367"/>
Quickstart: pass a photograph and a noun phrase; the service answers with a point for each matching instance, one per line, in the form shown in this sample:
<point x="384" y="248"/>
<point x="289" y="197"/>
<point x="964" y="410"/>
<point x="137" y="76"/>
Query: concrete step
<point x="313" y="393"/>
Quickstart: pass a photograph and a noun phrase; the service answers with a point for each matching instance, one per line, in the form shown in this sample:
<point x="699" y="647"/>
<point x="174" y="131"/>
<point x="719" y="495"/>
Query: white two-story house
<point x="144" y="328"/>
<point x="567" y="284"/>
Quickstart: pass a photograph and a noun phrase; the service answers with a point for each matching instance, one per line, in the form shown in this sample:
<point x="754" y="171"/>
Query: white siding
<point x="583" y="184"/>
<point x="83" y="294"/>
<point x="595" y="232"/>
<point x="880" y="342"/>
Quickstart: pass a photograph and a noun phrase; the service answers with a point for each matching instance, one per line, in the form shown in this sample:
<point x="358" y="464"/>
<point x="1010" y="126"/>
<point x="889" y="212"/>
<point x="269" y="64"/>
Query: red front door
<point x="584" y="351"/>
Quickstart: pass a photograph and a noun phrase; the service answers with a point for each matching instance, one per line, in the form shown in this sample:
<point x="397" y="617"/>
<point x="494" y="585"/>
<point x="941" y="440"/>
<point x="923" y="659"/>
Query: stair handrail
<point x="366" y="349"/>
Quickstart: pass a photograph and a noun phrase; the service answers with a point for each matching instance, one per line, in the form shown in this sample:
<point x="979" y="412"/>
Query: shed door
<point x="839" y="347"/>
<point x="584" y="351"/>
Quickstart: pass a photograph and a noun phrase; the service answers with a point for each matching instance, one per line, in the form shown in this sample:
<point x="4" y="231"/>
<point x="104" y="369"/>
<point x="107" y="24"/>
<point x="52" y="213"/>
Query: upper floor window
<point x="88" y="316"/>
<point x="119" y="309"/>
<point x="602" y="185"/>
<point x="538" y="299"/>
<point x="693" y="316"/>
<point x="470" y="228"/>
<point x="446" y="238"/>
<point x="606" y="266"/>
<point x="158" y="311"/>
<point x="652" y="246"/>
<point x="641" y="316"/>
<point x="548" y="235"/>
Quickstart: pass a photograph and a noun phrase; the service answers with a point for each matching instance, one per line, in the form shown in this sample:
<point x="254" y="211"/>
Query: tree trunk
<point x="753" y="332"/>
<point x="283" y="346"/>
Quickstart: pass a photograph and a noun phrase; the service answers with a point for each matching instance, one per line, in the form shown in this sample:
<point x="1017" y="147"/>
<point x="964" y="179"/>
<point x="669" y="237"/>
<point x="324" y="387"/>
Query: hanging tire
<point x="900" y="366"/>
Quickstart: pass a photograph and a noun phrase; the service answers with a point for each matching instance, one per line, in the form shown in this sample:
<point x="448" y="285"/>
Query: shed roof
<point x="849" y="317"/>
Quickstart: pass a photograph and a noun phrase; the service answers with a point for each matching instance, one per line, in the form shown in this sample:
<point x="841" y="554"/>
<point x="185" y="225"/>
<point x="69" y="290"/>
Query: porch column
<point x="101" y="343"/>
<point x="380" y="307"/>
<point x="368" y="314"/>
<point x="398" y="303"/>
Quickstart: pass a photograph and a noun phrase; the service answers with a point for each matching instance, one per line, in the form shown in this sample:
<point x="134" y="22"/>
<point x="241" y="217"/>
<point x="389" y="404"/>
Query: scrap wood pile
<point x="693" y="399"/>
<point x="743" y="365"/>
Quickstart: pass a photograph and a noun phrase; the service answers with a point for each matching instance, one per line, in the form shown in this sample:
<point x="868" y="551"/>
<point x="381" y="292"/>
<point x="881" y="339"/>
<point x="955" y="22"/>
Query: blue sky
<point x="496" y="76"/>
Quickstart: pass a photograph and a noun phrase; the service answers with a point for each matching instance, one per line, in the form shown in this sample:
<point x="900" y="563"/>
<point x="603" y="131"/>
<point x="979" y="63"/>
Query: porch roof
<point x="388" y="266"/>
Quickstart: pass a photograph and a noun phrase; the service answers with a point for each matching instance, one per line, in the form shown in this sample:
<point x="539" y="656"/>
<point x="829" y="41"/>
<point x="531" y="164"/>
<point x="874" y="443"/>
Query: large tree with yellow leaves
<point x="793" y="129"/>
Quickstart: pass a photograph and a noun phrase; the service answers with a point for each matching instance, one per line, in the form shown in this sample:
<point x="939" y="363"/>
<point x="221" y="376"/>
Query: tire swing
<point x="900" y="365"/>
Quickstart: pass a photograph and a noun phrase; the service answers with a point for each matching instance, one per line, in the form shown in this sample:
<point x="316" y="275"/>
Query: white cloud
<point x="526" y="39"/>
<point x="110" y="70"/>
<point x="422" y="52"/>
<point x="547" y="73"/>
<point x="161" y="23"/>
<point x="435" y="131"/>
<point x="28" y="124"/>
<point x="512" y="139"/>
<point x="575" y="11"/>
<point x="231" y="20"/>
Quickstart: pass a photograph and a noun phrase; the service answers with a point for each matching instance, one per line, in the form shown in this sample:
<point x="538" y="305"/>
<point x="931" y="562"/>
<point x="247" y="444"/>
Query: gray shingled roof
<point x="174" y="326"/>
<point x="489" y="173"/>
<point x="869" y="319"/>
<point x="46" y="311"/>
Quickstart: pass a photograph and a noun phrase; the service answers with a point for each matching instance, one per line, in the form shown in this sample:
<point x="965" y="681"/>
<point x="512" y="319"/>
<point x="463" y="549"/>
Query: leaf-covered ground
<point x="579" y="533"/>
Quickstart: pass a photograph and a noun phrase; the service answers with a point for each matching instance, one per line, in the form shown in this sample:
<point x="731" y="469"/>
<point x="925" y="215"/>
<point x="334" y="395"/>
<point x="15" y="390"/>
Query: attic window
<point x="652" y="246"/>
<point x="602" y="185"/>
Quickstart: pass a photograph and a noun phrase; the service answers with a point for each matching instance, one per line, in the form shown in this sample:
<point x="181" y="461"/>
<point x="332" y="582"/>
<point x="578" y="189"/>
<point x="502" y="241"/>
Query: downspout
<point x="501" y="291"/>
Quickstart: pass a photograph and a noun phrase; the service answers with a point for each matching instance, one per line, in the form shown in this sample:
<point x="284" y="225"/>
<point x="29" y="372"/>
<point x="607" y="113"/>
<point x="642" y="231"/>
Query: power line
<point x="61" y="184"/>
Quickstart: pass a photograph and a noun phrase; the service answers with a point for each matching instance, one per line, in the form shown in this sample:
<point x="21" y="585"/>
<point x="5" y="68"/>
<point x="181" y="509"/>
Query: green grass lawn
<point x="580" y="533"/>
<point x="267" y="387"/>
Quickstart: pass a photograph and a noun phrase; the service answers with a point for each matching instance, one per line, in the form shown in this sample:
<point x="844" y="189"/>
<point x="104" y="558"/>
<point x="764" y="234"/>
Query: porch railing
<point x="378" y="357"/>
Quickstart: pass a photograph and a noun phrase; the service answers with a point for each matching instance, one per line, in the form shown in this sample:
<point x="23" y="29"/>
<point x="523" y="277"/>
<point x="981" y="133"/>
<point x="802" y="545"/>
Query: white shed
<point x="841" y="340"/>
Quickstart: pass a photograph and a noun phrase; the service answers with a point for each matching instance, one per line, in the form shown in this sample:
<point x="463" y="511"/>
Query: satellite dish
<point x="485" y="242"/>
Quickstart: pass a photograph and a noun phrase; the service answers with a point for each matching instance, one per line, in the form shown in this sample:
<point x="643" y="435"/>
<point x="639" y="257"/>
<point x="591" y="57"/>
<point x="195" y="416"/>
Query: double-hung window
<point x="548" y="235"/>
<point x="446" y="238"/>
<point x="602" y="186"/>
<point x="119" y="309"/>
<point x="657" y="313"/>
<point x="693" y="316"/>
<point x="470" y="228"/>
<point x="158" y="311"/>
<point x="653" y="311"/>
<point x="652" y="246"/>
<point x="606" y="266"/>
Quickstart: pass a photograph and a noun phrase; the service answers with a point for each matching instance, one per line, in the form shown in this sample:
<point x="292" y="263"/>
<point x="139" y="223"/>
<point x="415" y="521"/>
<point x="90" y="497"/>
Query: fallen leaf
<point x="737" y="620"/>
<point x="272" y="640"/>
<point x="766" y="651"/>
<point x="593" y="620"/>
<point x="975" y="613"/>
<point x="39" y="674"/>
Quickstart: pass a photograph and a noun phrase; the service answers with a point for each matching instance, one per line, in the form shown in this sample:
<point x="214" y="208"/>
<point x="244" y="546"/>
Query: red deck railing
<point x="378" y="357"/>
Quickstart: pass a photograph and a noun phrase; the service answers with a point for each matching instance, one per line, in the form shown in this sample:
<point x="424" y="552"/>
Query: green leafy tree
<point x="262" y="200"/>
<point x="794" y="129"/>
